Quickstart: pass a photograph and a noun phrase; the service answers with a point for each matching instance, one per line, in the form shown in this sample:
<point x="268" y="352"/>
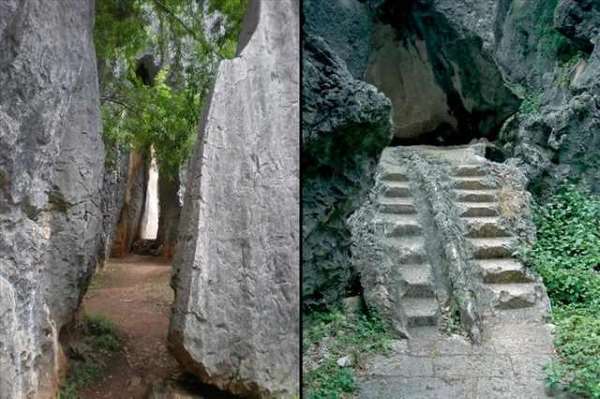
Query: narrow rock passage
<point x="134" y="294"/>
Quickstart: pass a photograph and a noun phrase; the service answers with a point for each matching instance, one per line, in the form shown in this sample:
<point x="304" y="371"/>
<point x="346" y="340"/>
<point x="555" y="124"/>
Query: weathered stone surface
<point x="114" y="187"/>
<point x="417" y="261"/>
<point x="423" y="57"/>
<point x="168" y="216"/>
<point x="508" y="364"/>
<point x="346" y="26"/>
<point x="345" y="124"/>
<point x="132" y="211"/>
<point x="579" y="20"/>
<point x="235" y="321"/>
<point x="51" y="170"/>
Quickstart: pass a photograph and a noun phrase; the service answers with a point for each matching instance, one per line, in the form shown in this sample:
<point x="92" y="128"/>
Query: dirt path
<point x="134" y="293"/>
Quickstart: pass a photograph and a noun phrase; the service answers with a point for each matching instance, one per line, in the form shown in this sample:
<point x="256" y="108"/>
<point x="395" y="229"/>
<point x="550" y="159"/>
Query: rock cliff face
<point x="129" y="221"/>
<point x="114" y="187"/>
<point x="235" y="319"/>
<point x="345" y="125"/>
<point x="486" y="58"/>
<point x="51" y="170"/>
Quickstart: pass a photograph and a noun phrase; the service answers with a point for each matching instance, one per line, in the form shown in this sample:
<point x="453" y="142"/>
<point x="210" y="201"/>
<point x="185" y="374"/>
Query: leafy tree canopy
<point x="156" y="103"/>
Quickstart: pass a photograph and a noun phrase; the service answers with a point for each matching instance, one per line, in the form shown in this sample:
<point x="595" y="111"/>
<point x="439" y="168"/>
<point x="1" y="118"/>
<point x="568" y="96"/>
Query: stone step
<point x="391" y="174"/>
<point x="475" y="209"/>
<point x="503" y="271"/>
<point x="399" y="225"/>
<point x="418" y="279"/>
<point x="469" y="170"/>
<point x="408" y="250"/>
<point x="472" y="183"/>
<point x="485" y="227"/>
<point x="420" y="311"/>
<point x="489" y="248"/>
<point x="396" y="205"/>
<point x="489" y="195"/>
<point x="396" y="190"/>
<point x="514" y="296"/>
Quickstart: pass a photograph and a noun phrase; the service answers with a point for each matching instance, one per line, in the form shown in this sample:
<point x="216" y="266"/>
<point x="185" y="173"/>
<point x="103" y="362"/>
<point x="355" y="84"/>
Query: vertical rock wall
<point x="235" y="321"/>
<point x="51" y="170"/>
<point x="339" y="157"/>
<point x="130" y="219"/>
<point x="114" y="186"/>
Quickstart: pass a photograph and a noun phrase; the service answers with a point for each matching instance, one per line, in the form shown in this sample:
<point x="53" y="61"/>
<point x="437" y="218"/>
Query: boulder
<point x="51" y="172"/>
<point x="235" y="321"/>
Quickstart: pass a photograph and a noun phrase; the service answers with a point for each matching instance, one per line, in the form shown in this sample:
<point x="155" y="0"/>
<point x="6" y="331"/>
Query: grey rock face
<point x="473" y="54"/>
<point x="235" y="321"/>
<point x="346" y="25"/>
<point x="51" y="170"/>
<point x="423" y="58"/>
<point x="114" y="186"/>
<point x="345" y="124"/>
<point x="579" y="20"/>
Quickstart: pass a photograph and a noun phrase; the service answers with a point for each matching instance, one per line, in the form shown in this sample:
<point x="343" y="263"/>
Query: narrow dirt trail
<point x="134" y="293"/>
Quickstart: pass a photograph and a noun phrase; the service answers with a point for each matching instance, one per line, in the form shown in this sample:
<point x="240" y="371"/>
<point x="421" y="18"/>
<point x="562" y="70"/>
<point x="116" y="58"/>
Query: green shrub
<point x="531" y="104"/>
<point x="578" y="342"/>
<point x="98" y="341"/>
<point x="567" y="256"/>
<point x="340" y="336"/>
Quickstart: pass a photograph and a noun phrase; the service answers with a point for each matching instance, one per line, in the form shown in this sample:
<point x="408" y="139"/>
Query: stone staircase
<point x="447" y="222"/>
<point x="398" y="215"/>
<point x="510" y="285"/>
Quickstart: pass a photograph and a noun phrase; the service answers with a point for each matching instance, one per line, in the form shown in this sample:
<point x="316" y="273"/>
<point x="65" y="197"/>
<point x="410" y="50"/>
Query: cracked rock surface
<point x="51" y="171"/>
<point x="235" y="321"/>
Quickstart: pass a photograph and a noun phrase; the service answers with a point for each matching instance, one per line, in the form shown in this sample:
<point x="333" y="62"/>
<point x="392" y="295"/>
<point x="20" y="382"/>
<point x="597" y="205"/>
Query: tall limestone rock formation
<point x="51" y="168"/>
<point x="235" y="321"/>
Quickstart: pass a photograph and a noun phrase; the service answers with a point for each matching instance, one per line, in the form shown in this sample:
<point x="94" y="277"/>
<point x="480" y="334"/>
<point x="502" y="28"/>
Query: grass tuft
<point x="99" y="339"/>
<point x="328" y="336"/>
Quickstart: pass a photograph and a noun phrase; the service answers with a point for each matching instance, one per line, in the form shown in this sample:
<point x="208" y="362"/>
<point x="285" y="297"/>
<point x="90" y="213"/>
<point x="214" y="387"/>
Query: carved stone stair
<point x="398" y="217"/>
<point x="493" y="246"/>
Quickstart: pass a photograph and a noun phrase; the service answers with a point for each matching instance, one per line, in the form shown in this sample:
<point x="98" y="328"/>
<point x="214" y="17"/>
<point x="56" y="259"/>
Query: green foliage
<point x="340" y="335"/>
<point x="164" y="113"/>
<point x="578" y="343"/>
<point x="565" y="71"/>
<point x="567" y="256"/>
<point x="159" y="116"/>
<point x="234" y="10"/>
<point x="99" y="340"/>
<point x="531" y="104"/>
<point x="552" y="44"/>
<point x="567" y="252"/>
<point x="119" y="29"/>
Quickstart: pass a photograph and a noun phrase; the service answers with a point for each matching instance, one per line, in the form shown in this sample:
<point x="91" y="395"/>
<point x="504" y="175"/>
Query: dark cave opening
<point x="445" y="88"/>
